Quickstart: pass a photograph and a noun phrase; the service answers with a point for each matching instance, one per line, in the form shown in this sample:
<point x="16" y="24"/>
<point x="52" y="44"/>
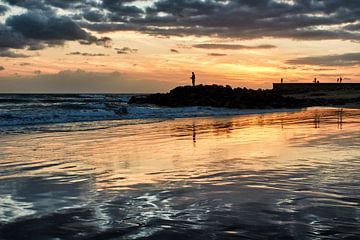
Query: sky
<point x="154" y="45"/>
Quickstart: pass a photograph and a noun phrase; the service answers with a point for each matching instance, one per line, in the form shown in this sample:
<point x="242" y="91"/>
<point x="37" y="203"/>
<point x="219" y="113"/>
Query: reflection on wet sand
<point x="220" y="126"/>
<point x="317" y="120"/>
<point x="223" y="177"/>
<point x="338" y="114"/>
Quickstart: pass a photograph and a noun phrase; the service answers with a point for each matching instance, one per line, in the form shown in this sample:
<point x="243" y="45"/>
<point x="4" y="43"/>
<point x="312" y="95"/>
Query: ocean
<point x="20" y="113"/>
<point x="89" y="166"/>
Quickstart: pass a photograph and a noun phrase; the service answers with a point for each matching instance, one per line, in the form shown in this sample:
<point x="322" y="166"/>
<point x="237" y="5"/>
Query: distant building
<point x="311" y="87"/>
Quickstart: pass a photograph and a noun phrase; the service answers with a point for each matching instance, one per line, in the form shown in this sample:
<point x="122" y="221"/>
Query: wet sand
<point x="278" y="175"/>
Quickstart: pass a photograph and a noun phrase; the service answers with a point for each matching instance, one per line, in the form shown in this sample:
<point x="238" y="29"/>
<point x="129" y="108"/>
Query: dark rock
<point x="220" y="96"/>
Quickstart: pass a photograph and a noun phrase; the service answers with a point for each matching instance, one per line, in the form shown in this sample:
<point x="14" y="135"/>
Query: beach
<point x="179" y="120"/>
<point x="282" y="175"/>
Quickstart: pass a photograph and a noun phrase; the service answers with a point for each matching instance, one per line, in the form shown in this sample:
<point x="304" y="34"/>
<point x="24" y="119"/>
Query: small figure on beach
<point x="282" y="81"/>
<point x="193" y="79"/>
<point x="340" y="80"/>
<point x="315" y="81"/>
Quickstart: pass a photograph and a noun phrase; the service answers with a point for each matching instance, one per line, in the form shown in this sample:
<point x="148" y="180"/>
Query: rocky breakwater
<point x="220" y="96"/>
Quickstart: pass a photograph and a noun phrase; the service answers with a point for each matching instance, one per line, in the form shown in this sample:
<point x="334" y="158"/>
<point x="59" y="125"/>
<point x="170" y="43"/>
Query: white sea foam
<point x="30" y="111"/>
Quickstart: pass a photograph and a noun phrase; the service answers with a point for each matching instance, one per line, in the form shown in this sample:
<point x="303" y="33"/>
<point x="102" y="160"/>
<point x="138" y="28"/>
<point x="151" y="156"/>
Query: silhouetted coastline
<point x="242" y="98"/>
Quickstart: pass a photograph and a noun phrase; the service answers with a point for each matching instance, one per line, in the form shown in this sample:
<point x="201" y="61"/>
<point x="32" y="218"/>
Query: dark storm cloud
<point x="126" y="50"/>
<point x="40" y="26"/>
<point x="3" y="9"/>
<point x="244" y="19"/>
<point x="46" y="26"/>
<point x="46" y="4"/>
<point x="232" y="46"/>
<point x="107" y="12"/>
<point x="353" y="27"/>
<point x="11" y="39"/>
<point x="66" y="4"/>
<point x="94" y="15"/>
<point x="28" y="4"/>
<point x="348" y="59"/>
<point x="42" y="23"/>
<point x="11" y="54"/>
<point x="103" y="41"/>
<point x="88" y="54"/>
<point x="118" y="11"/>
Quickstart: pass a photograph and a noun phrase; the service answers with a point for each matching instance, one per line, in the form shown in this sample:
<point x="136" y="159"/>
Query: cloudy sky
<point x="153" y="45"/>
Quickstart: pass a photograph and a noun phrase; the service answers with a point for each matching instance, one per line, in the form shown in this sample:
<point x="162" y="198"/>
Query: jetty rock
<point x="219" y="96"/>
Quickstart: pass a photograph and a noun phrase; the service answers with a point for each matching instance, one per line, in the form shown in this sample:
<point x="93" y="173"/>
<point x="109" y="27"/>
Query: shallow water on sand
<point x="281" y="176"/>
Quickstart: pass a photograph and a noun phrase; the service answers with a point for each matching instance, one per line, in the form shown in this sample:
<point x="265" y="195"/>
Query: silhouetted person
<point x="282" y="81"/>
<point x="337" y="80"/>
<point x="315" y="81"/>
<point x="340" y="79"/>
<point x="193" y="79"/>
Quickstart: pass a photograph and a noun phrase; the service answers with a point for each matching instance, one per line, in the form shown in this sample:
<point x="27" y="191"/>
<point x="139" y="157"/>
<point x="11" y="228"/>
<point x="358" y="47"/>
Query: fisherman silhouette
<point x="193" y="79"/>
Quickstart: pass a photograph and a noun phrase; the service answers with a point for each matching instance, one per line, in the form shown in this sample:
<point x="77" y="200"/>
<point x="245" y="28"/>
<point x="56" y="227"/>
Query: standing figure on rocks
<point x="193" y="79"/>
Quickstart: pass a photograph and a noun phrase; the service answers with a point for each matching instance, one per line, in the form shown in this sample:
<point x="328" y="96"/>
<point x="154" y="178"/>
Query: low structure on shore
<point x="313" y="87"/>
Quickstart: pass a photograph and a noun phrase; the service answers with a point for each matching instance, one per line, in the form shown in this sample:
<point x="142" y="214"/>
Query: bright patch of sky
<point x="143" y="4"/>
<point x="289" y="2"/>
